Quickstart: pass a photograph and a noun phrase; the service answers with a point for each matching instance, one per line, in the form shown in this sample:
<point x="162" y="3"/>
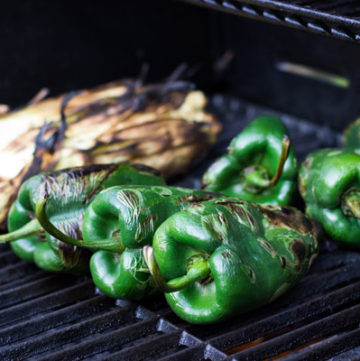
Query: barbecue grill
<point x="46" y="316"/>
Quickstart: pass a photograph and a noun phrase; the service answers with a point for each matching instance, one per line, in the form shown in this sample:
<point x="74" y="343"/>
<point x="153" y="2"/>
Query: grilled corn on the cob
<point x="161" y="125"/>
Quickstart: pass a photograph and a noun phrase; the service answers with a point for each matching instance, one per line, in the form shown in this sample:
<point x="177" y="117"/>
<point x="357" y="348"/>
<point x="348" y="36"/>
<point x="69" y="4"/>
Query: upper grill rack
<point x="338" y="18"/>
<point x="60" y="317"/>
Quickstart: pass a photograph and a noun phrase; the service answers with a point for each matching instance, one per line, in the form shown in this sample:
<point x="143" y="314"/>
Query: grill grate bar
<point x="105" y="342"/>
<point x="314" y="284"/>
<point x="328" y="347"/>
<point x="302" y="335"/>
<point x="14" y="272"/>
<point x="51" y="320"/>
<point x="67" y="322"/>
<point x="154" y="347"/>
<point x="315" y="308"/>
<point x="8" y="257"/>
<point x="46" y="303"/>
<point x="61" y="336"/>
<point x="353" y="355"/>
<point x="333" y="260"/>
<point x="4" y="247"/>
<point x="32" y="275"/>
<point x="194" y="353"/>
<point x="33" y="289"/>
<point x="340" y="20"/>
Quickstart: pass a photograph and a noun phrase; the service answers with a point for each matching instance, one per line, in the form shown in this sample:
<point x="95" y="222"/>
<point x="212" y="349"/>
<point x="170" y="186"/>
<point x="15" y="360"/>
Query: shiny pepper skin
<point x="329" y="183"/>
<point x="254" y="253"/>
<point x="130" y="216"/>
<point x="253" y="157"/>
<point x="68" y="191"/>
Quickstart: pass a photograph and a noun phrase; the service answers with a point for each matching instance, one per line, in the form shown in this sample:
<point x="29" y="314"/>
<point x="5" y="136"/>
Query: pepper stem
<point x="199" y="269"/>
<point x="256" y="176"/>
<point x="113" y="244"/>
<point x="29" y="229"/>
<point x="351" y="203"/>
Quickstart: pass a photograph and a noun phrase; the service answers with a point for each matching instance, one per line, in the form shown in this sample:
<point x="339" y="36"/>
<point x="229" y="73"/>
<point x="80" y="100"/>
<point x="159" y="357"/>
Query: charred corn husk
<point x="161" y="125"/>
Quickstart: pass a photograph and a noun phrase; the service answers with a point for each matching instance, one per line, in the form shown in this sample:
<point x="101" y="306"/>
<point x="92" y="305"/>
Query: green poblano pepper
<point x="226" y="256"/>
<point x="329" y="183"/>
<point x="351" y="136"/>
<point x="68" y="192"/>
<point x="118" y="223"/>
<point x="260" y="167"/>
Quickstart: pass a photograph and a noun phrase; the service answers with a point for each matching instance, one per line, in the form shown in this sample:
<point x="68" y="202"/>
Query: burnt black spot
<point x="145" y="168"/>
<point x="286" y="210"/>
<point x="251" y="274"/>
<point x="288" y="217"/>
<point x="222" y="219"/>
<point x="228" y="203"/>
<point x="299" y="250"/>
<point x="150" y="219"/>
<point x="110" y="170"/>
<point x="308" y="224"/>
<point x="226" y="254"/>
<point x="116" y="233"/>
<point x="193" y="198"/>
<point x="269" y="214"/>
<point x="268" y="246"/>
<point x="251" y="220"/>
<point x="78" y="172"/>
<point x="283" y="261"/>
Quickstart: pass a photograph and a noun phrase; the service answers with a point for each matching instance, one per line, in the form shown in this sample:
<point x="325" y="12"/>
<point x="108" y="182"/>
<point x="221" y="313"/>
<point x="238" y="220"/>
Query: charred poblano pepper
<point x="260" y="167"/>
<point x="68" y="192"/>
<point x="329" y="182"/>
<point x="226" y="256"/>
<point x="118" y="223"/>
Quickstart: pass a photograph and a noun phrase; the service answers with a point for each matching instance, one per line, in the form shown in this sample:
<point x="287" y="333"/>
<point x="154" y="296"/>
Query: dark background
<point x="68" y="45"/>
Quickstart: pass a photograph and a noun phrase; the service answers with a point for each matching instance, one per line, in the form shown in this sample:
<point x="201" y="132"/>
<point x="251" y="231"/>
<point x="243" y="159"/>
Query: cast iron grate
<point x="339" y="18"/>
<point x="47" y="316"/>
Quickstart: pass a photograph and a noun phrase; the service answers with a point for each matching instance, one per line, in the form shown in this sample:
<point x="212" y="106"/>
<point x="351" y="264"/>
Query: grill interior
<point x="339" y="18"/>
<point x="46" y="316"/>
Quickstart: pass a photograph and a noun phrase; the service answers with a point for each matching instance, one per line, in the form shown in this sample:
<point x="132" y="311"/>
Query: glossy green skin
<point x="255" y="254"/>
<point x="351" y="136"/>
<point x="134" y="214"/>
<point x="70" y="191"/>
<point x="122" y="275"/>
<point x="324" y="177"/>
<point x="259" y="144"/>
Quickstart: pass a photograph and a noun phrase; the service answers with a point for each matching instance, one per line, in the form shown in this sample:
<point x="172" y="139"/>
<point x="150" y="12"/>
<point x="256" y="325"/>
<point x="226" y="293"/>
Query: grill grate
<point x="339" y="18"/>
<point x="59" y="317"/>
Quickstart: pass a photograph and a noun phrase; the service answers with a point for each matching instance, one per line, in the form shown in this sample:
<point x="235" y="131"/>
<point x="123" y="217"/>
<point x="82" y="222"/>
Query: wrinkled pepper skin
<point x="255" y="151"/>
<point x="69" y="191"/>
<point x="329" y="183"/>
<point x="254" y="252"/>
<point x="132" y="214"/>
<point x="122" y="275"/>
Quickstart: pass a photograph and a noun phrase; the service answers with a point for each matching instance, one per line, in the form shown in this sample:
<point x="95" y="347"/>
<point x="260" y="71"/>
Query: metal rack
<point x="47" y="316"/>
<point x="339" y="18"/>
